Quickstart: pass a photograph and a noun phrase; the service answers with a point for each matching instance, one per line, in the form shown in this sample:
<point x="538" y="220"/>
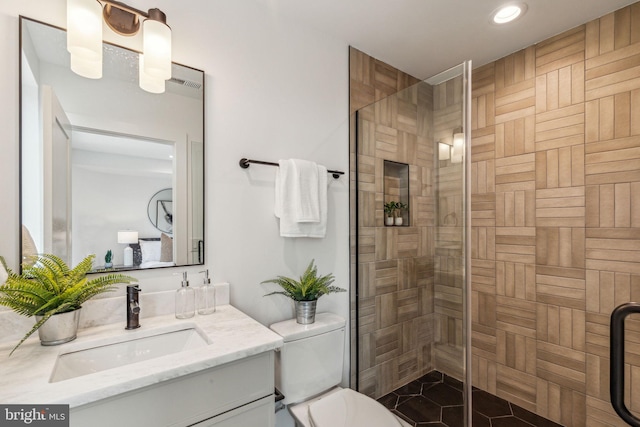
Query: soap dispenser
<point x="185" y="300"/>
<point x="206" y="296"/>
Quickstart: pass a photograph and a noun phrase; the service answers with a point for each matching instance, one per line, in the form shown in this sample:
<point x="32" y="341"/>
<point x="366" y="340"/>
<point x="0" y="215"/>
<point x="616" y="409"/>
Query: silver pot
<point x="59" y="328"/>
<point x="306" y="311"/>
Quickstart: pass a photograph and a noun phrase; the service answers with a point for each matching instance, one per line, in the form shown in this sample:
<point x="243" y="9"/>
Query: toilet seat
<point x="348" y="408"/>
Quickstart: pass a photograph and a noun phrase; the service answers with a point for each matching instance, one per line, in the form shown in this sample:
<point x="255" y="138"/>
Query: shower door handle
<point x="616" y="382"/>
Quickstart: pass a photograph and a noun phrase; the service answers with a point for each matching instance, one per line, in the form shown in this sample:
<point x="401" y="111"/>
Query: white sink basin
<point x="107" y="356"/>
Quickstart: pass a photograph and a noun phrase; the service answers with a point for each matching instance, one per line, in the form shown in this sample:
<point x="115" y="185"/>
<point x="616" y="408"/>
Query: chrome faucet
<point x="133" y="306"/>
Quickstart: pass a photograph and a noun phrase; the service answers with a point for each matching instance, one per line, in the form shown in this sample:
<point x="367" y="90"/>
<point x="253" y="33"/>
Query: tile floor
<point x="435" y="400"/>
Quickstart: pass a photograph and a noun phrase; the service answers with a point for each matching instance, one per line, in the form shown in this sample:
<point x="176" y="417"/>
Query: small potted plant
<point x="400" y="207"/>
<point x="54" y="294"/>
<point x="306" y="291"/>
<point x="108" y="258"/>
<point x="390" y="212"/>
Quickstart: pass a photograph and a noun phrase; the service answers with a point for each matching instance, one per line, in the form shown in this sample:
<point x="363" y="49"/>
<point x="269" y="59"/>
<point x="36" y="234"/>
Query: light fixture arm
<point x="125" y="20"/>
<point x="157" y="15"/>
<point x="124" y="7"/>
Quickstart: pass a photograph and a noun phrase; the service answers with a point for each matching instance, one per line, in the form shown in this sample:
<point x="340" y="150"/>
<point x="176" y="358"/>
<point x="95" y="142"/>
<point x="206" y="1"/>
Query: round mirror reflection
<point x="160" y="210"/>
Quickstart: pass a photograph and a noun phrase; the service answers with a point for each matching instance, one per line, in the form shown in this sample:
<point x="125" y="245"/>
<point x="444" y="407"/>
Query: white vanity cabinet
<point x="235" y="394"/>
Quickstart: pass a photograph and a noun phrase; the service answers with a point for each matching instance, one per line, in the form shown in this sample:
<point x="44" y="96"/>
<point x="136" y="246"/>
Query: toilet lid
<point x="348" y="408"/>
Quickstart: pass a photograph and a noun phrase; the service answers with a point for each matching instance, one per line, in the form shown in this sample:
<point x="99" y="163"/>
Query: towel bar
<point x="245" y="163"/>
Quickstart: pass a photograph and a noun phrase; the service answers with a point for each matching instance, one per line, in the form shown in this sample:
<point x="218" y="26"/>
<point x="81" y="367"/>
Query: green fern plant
<point x="50" y="287"/>
<point x="310" y="287"/>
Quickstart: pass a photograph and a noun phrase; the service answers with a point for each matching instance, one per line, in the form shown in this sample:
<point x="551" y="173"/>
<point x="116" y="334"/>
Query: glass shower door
<point x="413" y="226"/>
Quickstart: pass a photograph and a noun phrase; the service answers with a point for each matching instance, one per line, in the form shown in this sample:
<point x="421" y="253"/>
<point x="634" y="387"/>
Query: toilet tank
<point x="310" y="360"/>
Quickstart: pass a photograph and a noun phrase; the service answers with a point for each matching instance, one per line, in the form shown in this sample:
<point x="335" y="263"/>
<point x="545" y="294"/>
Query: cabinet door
<point x="260" y="413"/>
<point x="186" y="400"/>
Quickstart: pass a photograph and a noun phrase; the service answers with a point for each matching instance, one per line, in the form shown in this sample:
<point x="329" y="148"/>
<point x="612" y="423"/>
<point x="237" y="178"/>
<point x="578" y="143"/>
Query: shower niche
<point x="396" y="193"/>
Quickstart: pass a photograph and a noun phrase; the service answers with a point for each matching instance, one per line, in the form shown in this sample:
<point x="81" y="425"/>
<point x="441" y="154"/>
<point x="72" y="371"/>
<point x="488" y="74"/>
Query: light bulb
<point x="156" y="41"/>
<point x="84" y="29"/>
<point x="148" y="83"/>
<point x="91" y="69"/>
<point x="509" y="12"/>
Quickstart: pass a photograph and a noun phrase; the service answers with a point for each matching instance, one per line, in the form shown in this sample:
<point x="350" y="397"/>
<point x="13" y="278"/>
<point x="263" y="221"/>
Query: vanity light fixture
<point x="84" y="39"/>
<point x="508" y="12"/>
<point x="128" y="237"/>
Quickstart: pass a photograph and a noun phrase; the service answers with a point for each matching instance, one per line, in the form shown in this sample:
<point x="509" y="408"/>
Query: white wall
<point x="274" y="89"/>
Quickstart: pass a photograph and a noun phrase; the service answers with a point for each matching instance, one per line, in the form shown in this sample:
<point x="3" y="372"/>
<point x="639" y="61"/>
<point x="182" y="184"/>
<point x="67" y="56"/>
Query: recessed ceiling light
<point x="508" y="13"/>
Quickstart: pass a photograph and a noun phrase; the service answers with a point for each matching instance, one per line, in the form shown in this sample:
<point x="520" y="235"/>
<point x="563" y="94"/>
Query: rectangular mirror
<point x="105" y="165"/>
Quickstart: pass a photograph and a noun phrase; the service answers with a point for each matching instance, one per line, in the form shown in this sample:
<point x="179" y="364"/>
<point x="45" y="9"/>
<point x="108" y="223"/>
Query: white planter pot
<point x="398" y="220"/>
<point x="388" y="220"/>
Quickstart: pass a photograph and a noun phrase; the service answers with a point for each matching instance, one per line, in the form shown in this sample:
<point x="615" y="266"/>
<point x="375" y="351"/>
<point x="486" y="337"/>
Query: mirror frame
<point x="201" y="251"/>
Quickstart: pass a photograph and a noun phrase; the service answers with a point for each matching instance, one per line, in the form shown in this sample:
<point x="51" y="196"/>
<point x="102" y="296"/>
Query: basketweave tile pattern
<point x="396" y="347"/>
<point x="555" y="219"/>
<point x="409" y="277"/>
<point x="556" y="148"/>
<point x="396" y="266"/>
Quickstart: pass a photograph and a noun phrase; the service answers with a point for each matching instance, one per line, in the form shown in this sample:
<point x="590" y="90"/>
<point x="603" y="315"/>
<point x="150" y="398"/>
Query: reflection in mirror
<point x="95" y="152"/>
<point x="160" y="210"/>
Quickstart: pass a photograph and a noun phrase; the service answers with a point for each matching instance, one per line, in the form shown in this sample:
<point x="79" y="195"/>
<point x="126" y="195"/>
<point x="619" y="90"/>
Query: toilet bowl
<point x="343" y="407"/>
<point x="308" y="371"/>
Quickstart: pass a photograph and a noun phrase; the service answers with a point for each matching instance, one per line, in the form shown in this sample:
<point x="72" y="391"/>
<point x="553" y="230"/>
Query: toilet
<point x="308" y="371"/>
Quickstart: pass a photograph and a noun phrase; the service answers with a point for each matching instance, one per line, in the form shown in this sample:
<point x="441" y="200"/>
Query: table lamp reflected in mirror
<point x="127" y="237"/>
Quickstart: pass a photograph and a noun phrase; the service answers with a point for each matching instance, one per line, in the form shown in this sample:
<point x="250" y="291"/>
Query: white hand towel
<point x="286" y="207"/>
<point x="284" y="187"/>
<point x="305" y="197"/>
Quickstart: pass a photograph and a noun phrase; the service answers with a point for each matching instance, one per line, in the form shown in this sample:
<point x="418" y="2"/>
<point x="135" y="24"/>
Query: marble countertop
<point x="25" y="375"/>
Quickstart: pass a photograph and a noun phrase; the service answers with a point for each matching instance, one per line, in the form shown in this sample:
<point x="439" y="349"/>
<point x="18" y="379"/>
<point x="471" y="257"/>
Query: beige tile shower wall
<point x="556" y="219"/>
<point x="395" y="268"/>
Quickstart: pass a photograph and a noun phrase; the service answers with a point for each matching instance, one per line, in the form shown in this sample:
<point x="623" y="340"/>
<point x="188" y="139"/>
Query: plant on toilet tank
<point x="306" y="291"/>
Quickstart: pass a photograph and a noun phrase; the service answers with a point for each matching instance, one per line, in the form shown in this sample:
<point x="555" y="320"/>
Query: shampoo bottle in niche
<point x="185" y="300"/>
<point x="206" y="296"/>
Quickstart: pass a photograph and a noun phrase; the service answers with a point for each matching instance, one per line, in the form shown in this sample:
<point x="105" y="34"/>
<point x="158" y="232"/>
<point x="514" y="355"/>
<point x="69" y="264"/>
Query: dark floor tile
<point x="411" y="389"/>
<point x="453" y="416"/>
<point x="490" y="405"/>
<point x="532" y="418"/>
<point x="402" y="399"/>
<point x="480" y="420"/>
<point x="508" y="422"/>
<point x="431" y="377"/>
<point x="404" y="417"/>
<point x="440" y="405"/>
<point x="389" y="401"/>
<point x="452" y="382"/>
<point x="444" y="395"/>
<point x="420" y="409"/>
